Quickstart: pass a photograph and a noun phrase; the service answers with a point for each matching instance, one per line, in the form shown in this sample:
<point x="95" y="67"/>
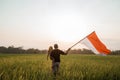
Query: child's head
<point x="50" y="48"/>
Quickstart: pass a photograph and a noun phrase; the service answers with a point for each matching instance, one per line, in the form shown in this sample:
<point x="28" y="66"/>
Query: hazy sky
<point x="41" y="23"/>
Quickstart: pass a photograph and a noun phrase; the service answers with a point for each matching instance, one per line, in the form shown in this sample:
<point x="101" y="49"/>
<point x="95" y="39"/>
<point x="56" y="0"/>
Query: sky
<point x="42" y="23"/>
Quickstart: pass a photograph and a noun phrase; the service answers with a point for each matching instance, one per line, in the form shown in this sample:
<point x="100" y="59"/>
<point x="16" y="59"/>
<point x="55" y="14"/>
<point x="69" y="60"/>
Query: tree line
<point x="20" y="50"/>
<point x="116" y="52"/>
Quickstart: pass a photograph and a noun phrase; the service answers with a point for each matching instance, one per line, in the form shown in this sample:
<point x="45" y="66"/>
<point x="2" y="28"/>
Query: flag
<point x="93" y="42"/>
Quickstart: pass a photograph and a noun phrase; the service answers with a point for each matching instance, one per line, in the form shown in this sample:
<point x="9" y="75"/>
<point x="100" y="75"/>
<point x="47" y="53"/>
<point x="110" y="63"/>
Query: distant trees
<point x="81" y="51"/>
<point x="12" y="49"/>
<point x="3" y="49"/>
<point x="86" y="51"/>
<point x="116" y="52"/>
<point x="20" y="50"/>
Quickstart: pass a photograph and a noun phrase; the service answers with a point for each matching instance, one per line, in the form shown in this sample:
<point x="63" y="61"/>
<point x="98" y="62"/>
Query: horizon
<point x="40" y="24"/>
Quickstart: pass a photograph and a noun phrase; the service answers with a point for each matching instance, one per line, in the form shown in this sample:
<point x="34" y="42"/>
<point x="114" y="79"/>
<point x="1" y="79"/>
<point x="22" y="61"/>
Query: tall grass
<point x="72" y="67"/>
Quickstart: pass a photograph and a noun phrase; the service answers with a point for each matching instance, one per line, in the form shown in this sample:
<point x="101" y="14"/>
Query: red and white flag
<point x="93" y="42"/>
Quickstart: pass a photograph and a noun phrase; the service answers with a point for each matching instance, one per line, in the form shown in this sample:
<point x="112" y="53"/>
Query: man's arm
<point x="65" y="53"/>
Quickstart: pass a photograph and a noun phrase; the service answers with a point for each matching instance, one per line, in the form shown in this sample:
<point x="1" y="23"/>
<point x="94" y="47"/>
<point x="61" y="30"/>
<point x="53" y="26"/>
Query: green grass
<point x="72" y="67"/>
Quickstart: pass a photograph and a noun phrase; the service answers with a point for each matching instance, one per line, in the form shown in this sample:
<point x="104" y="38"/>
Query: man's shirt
<point x="55" y="54"/>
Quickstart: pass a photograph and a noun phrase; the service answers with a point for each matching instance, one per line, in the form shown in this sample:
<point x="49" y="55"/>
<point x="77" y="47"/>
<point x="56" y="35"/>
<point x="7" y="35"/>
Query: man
<point x="55" y="57"/>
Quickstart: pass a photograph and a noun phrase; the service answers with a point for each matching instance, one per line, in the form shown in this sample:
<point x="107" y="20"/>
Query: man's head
<point x="56" y="46"/>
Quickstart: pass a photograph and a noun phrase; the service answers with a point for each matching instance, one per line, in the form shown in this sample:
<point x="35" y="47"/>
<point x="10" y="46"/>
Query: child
<point x="49" y="51"/>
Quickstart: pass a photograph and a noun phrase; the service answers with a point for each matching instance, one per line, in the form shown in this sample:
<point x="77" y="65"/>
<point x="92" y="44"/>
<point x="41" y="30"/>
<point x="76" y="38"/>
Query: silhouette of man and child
<point x="54" y="55"/>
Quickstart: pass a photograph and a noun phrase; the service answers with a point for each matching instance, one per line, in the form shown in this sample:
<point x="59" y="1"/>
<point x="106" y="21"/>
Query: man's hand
<point x="68" y="50"/>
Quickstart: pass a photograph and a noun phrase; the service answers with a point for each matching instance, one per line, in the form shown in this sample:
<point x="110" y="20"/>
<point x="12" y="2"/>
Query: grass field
<point x="72" y="67"/>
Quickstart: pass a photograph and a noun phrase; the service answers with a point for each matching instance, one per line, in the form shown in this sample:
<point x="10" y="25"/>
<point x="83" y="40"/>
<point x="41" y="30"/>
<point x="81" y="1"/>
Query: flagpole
<point x="80" y="40"/>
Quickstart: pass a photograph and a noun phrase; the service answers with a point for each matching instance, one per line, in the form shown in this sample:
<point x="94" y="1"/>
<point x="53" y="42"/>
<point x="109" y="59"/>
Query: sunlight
<point x="68" y="30"/>
<point x="62" y="36"/>
<point x="66" y="34"/>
